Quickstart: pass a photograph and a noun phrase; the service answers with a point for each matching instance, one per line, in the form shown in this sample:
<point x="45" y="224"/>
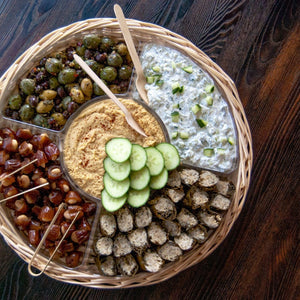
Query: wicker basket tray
<point x="145" y="32"/>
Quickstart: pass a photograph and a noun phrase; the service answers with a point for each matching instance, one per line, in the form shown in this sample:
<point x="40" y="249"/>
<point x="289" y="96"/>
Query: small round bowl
<point x="78" y="113"/>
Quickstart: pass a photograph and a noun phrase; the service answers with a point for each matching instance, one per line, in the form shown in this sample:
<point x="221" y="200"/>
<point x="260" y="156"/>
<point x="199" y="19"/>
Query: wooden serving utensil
<point x="140" y="77"/>
<point x="61" y="206"/>
<point x="131" y="122"/>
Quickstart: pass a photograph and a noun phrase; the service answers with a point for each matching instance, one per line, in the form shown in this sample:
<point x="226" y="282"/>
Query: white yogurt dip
<point x="176" y="85"/>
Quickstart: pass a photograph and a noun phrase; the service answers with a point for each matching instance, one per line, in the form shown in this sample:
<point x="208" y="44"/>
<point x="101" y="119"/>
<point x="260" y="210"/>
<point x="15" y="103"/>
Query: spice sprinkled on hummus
<point x="84" y="145"/>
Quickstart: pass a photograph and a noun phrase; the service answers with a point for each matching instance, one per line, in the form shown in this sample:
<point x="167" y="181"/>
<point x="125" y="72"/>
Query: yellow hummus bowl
<point x="92" y="126"/>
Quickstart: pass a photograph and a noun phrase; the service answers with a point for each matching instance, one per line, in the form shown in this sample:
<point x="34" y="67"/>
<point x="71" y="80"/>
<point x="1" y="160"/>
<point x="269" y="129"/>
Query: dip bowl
<point x="71" y="147"/>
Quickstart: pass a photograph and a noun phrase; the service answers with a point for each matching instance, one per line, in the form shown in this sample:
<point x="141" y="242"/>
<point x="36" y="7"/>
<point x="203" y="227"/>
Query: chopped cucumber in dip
<point x="201" y="123"/>
<point x="188" y="69"/>
<point x="203" y="117"/>
<point x="196" y="108"/>
<point x="209" y="88"/>
<point x="175" y="116"/>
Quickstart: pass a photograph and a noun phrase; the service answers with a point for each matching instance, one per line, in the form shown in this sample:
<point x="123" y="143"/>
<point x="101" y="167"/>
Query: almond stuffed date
<point x="34" y="210"/>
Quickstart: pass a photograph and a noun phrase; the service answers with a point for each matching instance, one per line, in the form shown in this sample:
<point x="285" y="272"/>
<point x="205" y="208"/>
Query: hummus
<point x="85" y="139"/>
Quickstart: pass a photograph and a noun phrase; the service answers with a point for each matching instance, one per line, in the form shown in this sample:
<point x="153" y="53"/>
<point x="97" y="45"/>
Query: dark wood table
<point x="258" y="44"/>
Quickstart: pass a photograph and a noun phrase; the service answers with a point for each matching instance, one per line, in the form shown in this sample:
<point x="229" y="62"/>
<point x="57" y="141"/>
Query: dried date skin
<point x="56" y="197"/>
<point x="41" y="158"/>
<point x="54" y="172"/>
<point x="51" y="151"/>
<point x="46" y="214"/>
<point x="4" y="156"/>
<point x="7" y="132"/>
<point x="32" y="196"/>
<point x="73" y="259"/>
<point x="84" y="224"/>
<point x="9" y="180"/>
<point x="12" y="164"/>
<point x="10" y="191"/>
<point x="10" y="144"/>
<point x="35" y="225"/>
<point x="22" y="221"/>
<point x="54" y="234"/>
<point x="28" y="169"/>
<point x="80" y="236"/>
<point x="34" y="237"/>
<point x="21" y="206"/>
<point x="64" y="227"/>
<point x="72" y="198"/>
<point x="23" y="133"/>
<point x="25" y="149"/>
<point x="23" y="181"/>
<point x="63" y="185"/>
<point x="89" y="208"/>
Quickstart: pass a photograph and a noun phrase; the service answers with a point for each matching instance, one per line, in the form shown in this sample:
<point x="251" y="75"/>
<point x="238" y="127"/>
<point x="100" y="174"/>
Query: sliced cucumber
<point x="117" y="171"/>
<point x="188" y="69"/>
<point x="115" y="189"/>
<point x="184" y="135"/>
<point x="201" y="123"/>
<point x="209" y="88"/>
<point x="138" y="157"/>
<point x="138" y="198"/>
<point x="159" y="181"/>
<point x="175" y="116"/>
<point x="155" y="161"/>
<point x="209" y="152"/>
<point x="118" y="149"/>
<point x="170" y="154"/>
<point x="209" y="100"/>
<point x="139" y="179"/>
<point x="110" y="203"/>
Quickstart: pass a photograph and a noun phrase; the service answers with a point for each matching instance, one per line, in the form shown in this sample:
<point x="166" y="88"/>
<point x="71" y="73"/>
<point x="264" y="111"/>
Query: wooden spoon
<point x="140" y="77"/>
<point x="131" y="122"/>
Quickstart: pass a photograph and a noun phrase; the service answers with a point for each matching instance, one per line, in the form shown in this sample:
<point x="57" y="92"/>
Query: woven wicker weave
<point x="57" y="40"/>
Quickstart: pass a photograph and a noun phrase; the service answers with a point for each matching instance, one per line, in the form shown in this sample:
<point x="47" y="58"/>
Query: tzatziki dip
<point x="194" y="112"/>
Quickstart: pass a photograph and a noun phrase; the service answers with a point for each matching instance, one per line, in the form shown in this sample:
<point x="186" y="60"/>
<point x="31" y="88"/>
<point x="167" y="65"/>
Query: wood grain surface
<point x="258" y="44"/>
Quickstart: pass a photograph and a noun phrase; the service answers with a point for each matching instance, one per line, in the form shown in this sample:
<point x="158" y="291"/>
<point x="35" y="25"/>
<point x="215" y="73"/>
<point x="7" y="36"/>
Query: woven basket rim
<point x="140" y="30"/>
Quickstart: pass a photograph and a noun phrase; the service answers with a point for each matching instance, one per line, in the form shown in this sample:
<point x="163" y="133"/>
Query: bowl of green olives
<point x="56" y="86"/>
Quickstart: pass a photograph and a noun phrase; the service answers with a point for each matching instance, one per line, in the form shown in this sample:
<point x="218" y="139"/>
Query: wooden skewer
<point x="15" y="171"/>
<point x="24" y="192"/>
<point x="128" y="116"/>
<point x="62" y="205"/>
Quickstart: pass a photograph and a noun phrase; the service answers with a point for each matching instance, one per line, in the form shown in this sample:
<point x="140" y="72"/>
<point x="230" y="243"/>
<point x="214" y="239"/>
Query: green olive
<point x="122" y="49"/>
<point x="108" y="73"/>
<point x="59" y="118"/>
<point x="44" y="106"/>
<point x="77" y="95"/>
<point x="97" y="90"/>
<point x="91" y="41"/>
<point x="53" y="65"/>
<point x="15" y="102"/>
<point x="93" y="65"/>
<point x="86" y="86"/>
<point x="53" y="83"/>
<point x="26" y="112"/>
<point x="66" y="76"/>
<point x="69" y="86"/>
<point x="80" y="50"/>
<point x="115" y="88"/>
<point x="48" y="95"/>
<point x="27" y="86"/>
<point x="106" y="44"/>
<point x="114" y="59"/>
<point x="39" y="120"/>
<point x="125" y="72"/>
<point x="65" y="102"/>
